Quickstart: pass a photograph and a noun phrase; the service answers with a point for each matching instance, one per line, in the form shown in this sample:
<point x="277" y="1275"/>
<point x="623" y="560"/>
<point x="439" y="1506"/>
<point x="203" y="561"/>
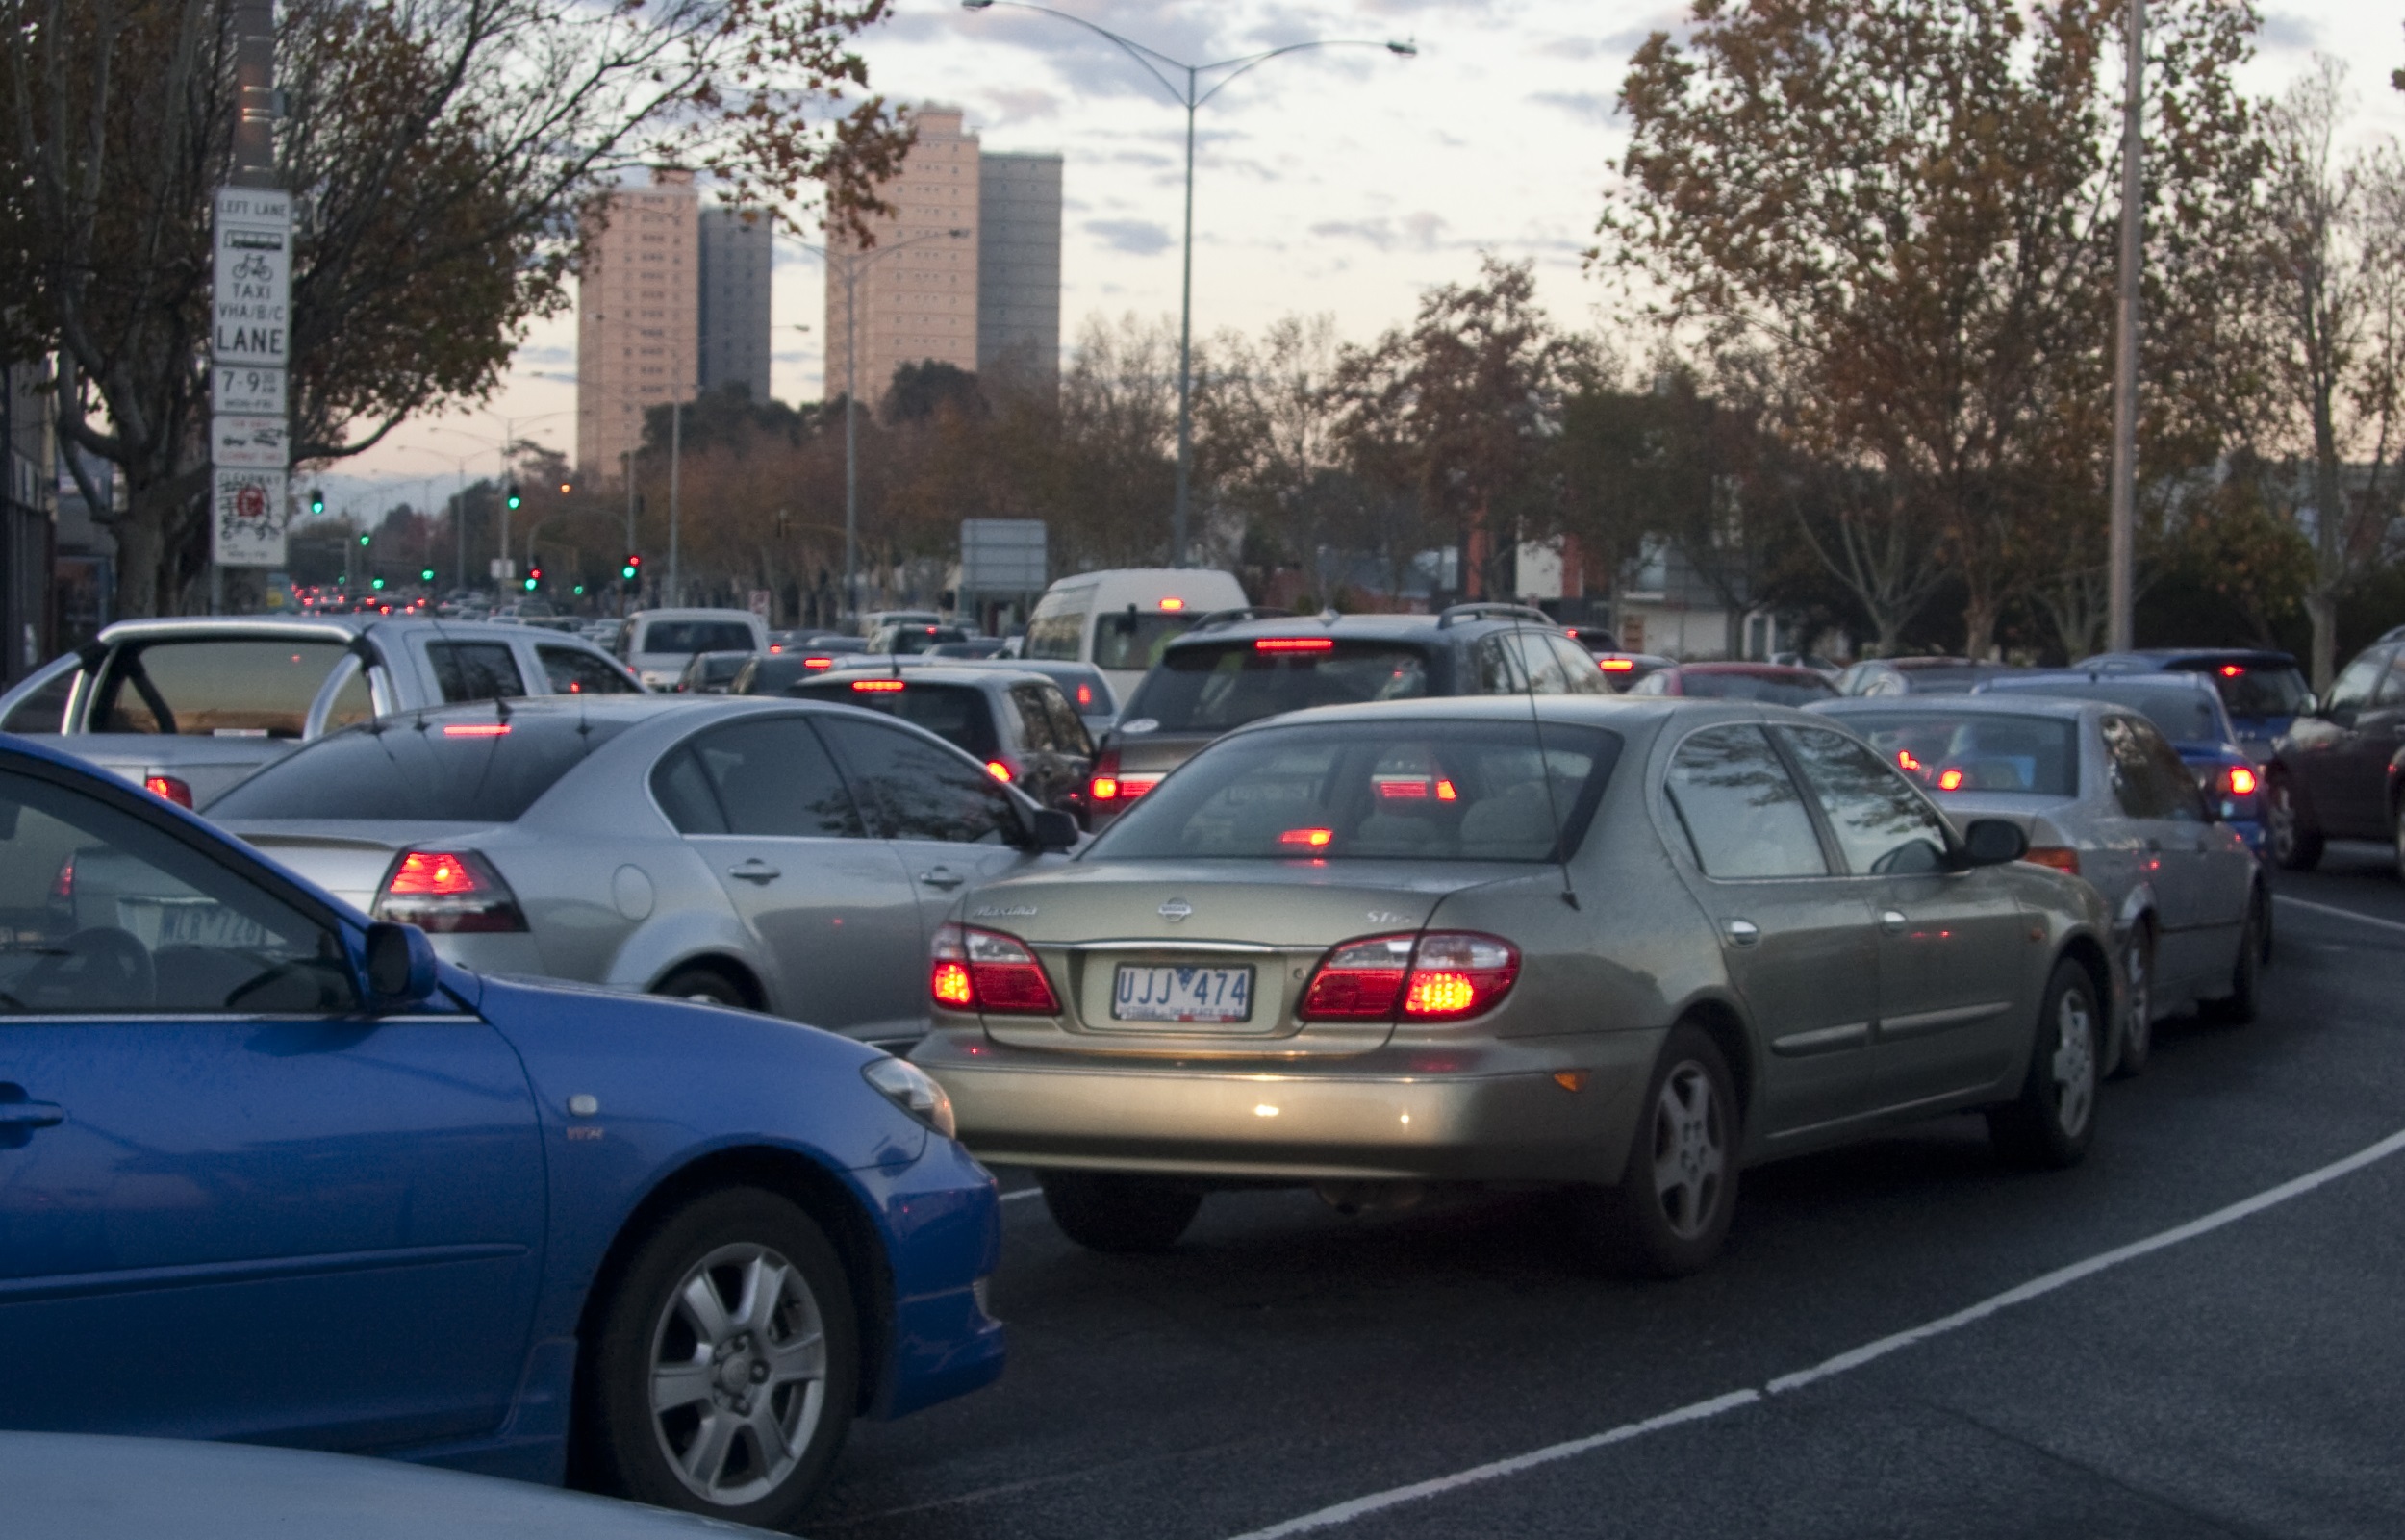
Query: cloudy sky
<point x="1344" y="180"/>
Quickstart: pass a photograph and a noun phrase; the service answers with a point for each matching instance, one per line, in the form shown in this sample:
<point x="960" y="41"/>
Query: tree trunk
<point x="2321" y="608"/>
<point x="1979" y="626"/>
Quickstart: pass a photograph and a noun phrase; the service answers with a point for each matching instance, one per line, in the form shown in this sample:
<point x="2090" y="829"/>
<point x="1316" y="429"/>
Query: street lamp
<point x="852" y="263"/>
<point x="1191" y="98"/>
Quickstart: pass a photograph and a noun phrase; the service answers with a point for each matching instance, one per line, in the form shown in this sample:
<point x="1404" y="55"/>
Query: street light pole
<point x="676" y="506"/>
<point x="1191" y="98"/>
<point x="2121" y="574"/>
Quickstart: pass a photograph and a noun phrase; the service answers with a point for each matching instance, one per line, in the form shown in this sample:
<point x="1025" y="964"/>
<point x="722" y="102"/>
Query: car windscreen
<point x="2184" y="715"/>
<point x="1976" y="751"/>
<point x="1131" y="639"/>
<point x="1790" y="689"/>
<point x="1403" y="791"/>
<point x="957" y="714"/>
<point x="1212" y="688"/>
<point x="695" y="636"/>
<point x="2256" y="689"/>
<point x="449" y="770"/>
<point x="238" y="687"/>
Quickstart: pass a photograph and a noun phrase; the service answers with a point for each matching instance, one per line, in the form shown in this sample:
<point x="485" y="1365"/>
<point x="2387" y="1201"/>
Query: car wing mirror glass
<point x="2310" y="706"/>
<point x="1993" y="841"/>
<point x="400" y="966"/>
<point x="1052" y="829"/>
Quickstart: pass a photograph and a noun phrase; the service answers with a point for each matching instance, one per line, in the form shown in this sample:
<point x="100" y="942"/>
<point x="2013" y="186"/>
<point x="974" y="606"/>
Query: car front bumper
<point x="1557" y="1109"/>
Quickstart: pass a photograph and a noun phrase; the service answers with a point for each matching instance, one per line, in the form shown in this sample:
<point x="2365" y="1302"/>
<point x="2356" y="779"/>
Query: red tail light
<point x="1294" y="645"/>
<point x="63" y="885"/>
<point x="2061" y="857"/>
<point x="1110" y="786"/>
<point x="482" y="729"/>
<point x="2239" y="780"/>
<point x="1085" y="696"/>
<point x="998" y="771"/>
<point x="986" y="970"/>
<point x="1616" y="664"/>
<point x="448" y="892"/>
<point x="879" y="686"/>
<point x="169" y="788"/>
<point x="816" y="664"/>
<point x="1447" y="975"/>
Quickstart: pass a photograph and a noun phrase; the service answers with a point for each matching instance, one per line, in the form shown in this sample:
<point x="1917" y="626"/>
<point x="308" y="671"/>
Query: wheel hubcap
<point x="1690" y="1150"/>
<point x="2074" y="1062"/>
<point x="738" y="1375"/>
<point x="2137" y="1032"/>
<point x="2284" y="823"/>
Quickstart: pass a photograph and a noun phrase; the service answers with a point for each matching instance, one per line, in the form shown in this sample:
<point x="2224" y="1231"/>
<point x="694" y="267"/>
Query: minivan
<point x="657" y="644"/>
<point x="1120" y="620"/>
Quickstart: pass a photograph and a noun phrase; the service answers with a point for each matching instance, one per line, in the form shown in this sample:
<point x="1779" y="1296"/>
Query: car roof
<point x="2038" y="680"/>
<point x="944" y="672"/>
<point x="1360" y="627"/>
<point x="696" y="614"/>
<point x="2009" y="703"/>
<point x="1620" y="713"/>
<point x="1761" y="671"/>
<point x="2159" y="657"/>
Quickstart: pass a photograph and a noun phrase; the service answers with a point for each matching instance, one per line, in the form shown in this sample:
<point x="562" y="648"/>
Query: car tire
<point x="739" y="1303"/>
<point x="2137" y="985"/>
<point x="2050" y="1123"/>
<point x="2294" y="840"/>
<point x="705" y="985"/>
<point x="1669" y="1214"/>
<point x="2243" y="1002"/>
<point x="1108" y="1211"/>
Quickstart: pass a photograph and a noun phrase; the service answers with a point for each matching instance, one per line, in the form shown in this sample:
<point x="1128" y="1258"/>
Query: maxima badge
<point x="1176" y="909"/>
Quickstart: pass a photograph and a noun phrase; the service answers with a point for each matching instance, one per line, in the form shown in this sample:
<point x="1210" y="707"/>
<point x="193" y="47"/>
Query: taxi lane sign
<point x="251" y="299"/>
<point x="247" y="517"/>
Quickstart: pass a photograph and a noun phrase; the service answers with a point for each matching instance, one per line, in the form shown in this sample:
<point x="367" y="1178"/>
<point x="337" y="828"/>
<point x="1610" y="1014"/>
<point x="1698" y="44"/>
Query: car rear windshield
<point x="1977" y="751"/>
<point x="242" y="687"/>
<point x="695" y="636"/>
<point x="1403" y="791"/>
<point x="2255" y="689"/>
<point x="1790" y="689"/>
<point x="957" y="714"/>
<point x="1133" y="638"/>
<point x="1212" y="688"/>
<point x="2185" y="714"/>
<point x="447" y="769"/>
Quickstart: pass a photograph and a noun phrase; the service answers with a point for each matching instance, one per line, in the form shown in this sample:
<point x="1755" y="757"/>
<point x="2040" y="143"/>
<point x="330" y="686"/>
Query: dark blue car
<point x="2188" y="712"/>
<point x="270" y="1173"/>
<point x="2260" y="690"/>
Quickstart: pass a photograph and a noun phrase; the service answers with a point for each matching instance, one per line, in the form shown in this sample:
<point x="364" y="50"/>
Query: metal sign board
<point x="257" y="443"/>
<point x="247" y="517"/>
<point x="246" y="390"/>
<point x="251" y="295"/>
<point x="760" y="599"/>
<point x="1002" y="555"/>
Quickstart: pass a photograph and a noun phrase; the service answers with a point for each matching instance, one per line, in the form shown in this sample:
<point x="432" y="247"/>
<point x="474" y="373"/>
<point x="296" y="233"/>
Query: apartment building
<point x="734" y="315"/>
<point x="638" y="317"/>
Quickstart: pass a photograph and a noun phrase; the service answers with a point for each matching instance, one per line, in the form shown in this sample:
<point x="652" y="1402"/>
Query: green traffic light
<point x="363" y="540"/>
<point x="530" y="584"/>
<point x="580" y="590"/>
<point x="425" y="575"/>
<point x="377" y="585"/>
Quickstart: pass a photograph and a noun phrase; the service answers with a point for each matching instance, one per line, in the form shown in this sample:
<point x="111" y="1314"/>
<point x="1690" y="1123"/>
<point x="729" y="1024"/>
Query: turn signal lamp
<point x="1442" y="976"/>
<point x="448" y="892"/>
<point x="169" y="788"/>
<point x="2061" y="857"/>
<point x="986" y="970"/>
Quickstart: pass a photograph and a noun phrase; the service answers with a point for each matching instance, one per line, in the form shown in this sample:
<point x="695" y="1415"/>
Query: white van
<point x="1120" y="620"/>
<point x="657" y="643"/>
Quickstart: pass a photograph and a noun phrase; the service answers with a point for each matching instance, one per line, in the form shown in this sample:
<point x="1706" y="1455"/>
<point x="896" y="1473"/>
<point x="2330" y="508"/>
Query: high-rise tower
<point x="637" y="337"/>
<point x="917" y="301"/>
<point x="734" y="302"/>
<point x="1018" y="268"/>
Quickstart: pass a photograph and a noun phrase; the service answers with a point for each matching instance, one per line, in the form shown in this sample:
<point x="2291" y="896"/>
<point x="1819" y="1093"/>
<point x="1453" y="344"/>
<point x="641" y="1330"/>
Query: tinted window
<point x="1496" y="663"/>
<point x="769" y="777"/>
<point x="1133" y="638"/>
<point x="2130" y="768"/>
<point x="2351" y="691"/>
<point x="2257" y="690"/>
<point x="574" y="672"/>
<point x="352" y="704"/>
<point x="1960" y="752"/>
<point x="917" y="791"/>
<point x="1211" y="689"/>
<point x="1577" y="665"/>
<point x="770" y="676"/>
<point x="2172" y="702"/>
<point x="1068" y="727"/>
<point x="448" y="768"/>
<point x="106" y="913"/>
<point x="236" y="686"/>
<point x="1537" y="660"/>
<point x="1778" y="690"/>
<point x="1742" y="810"/>
<point x="1882" y="824"/>
<point x="696" y="635"/>
<point x="2392" y="692"/>
<point x="1035" y="722"/>
<point x="1398" y="791"/>
<point x="1056" y="633"/>
<point x="474" y="670"/>
<point x="2175" y="788"/>
<point x="957" y="714"/>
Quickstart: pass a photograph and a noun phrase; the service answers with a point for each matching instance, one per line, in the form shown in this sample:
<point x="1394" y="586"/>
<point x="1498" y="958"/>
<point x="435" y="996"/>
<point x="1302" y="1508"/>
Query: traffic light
<point x="363" y="539"/>
<point x="377" y="585"/>
<point x="633" y="568"/>
<point x="511" y="499"/>
<point x="565" y="488"/>
<point x="316" y="500"/>
<point x="426" y="574"/>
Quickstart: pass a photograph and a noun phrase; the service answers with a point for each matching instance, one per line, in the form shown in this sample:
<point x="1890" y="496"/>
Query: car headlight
<point x="913" y="1089"/>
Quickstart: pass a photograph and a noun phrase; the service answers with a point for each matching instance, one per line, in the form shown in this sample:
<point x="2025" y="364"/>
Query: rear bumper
<point x="1488" y="1111"/>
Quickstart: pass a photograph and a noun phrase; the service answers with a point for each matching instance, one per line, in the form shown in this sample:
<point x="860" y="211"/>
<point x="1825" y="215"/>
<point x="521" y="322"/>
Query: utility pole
<point x="675" y="454"/>
<point x="2121" y="633"/>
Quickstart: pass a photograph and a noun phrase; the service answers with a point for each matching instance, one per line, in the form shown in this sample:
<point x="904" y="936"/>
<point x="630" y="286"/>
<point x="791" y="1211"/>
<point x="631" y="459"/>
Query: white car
<point x="658" y="644"/>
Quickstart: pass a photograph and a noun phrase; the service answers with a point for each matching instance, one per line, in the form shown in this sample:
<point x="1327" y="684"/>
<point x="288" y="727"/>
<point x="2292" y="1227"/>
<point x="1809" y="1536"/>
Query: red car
<point x="1774" y="683"/>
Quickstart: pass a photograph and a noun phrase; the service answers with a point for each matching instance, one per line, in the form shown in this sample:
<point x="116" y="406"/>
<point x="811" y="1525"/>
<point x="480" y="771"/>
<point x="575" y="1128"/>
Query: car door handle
<point x="754" y="870"/>
<point x="1892" y="921"/>
<point x="1744" y="933"/>
<point x="943" y="877"/>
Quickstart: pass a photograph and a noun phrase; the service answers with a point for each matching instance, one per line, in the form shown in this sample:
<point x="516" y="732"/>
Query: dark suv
<point x="2336" y="772"/>
<point x="1225" y="672"/>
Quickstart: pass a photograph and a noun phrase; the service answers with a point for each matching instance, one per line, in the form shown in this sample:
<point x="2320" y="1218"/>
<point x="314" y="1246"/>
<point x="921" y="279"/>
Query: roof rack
<point x="1493" y="612"/>
<point x="1251" y="611"/>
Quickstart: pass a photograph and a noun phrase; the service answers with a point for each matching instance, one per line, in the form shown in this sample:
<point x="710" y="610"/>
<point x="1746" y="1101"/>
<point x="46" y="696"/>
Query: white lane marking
<point x="1854" y="1358"/>
<point x="1024" y="1192"/>
<point x="2334" y="909"/>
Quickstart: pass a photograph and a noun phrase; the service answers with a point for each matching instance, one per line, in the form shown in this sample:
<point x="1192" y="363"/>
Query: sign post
<point x="250" y="339"/>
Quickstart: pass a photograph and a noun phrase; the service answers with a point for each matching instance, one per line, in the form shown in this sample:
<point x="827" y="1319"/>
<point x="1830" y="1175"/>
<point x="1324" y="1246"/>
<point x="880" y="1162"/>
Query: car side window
<point x="1035" y="723"/>
<point x="767" y="778"/>
<point x="2175" y="788"/>
<point x="1538" y="663"/>
<point x="108" y="913"/>
<point x="2351" y="691"/>
<point x="1578" y="667"/>
<point x="1884" y="827"/>
<point x="1068" y="727"/>
<point x="2391" y="690"/>
<point x="574" y="672"/>
<point x="1497" y="668"/>
<point x="2127" y="765"/>
<point x="1742" y="810"/>
<point x="915" y="790"/>
<point x="475" y="671"/>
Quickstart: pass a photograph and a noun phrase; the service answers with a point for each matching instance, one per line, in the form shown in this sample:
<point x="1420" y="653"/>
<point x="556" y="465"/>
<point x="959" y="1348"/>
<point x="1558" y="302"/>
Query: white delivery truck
<point x="1119" y="619"/>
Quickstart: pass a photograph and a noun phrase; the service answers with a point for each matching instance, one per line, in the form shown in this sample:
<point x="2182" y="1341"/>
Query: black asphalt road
<point x="2249" y="1381"/>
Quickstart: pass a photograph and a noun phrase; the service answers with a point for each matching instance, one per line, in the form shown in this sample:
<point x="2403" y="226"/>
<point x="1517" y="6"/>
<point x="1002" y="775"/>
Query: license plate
<point x="1147" y="993"/>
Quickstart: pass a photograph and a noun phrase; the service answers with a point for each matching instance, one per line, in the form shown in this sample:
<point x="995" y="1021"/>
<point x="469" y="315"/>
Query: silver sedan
<point x="760" y="854"/>
<point x="2103" y="795"/>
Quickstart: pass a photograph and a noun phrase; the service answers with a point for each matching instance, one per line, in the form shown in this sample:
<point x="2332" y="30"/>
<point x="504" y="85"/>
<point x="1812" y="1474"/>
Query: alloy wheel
<point x="737" y="1374"/>
<point x="1691" y="1150"/>
<point x="2074" y="1062"/>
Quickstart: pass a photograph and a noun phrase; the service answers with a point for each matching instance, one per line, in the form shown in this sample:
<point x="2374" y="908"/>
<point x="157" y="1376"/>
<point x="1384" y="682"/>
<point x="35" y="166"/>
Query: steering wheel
<point x="100" y="969"/>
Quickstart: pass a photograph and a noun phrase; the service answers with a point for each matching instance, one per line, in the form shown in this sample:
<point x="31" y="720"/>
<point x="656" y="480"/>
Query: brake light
<point x="1312" y="838"/>
<point x="481" y="729"/>
<point x="1294" y="645"/>
<point x="2231" y="671"/>
<point x="1085" y="695"/>
<point x="879" y="686"/>
<point x="1109" y="785"/>
<point x="1445" y="792"/>
<point x="1173" y="604"/>
<point x="1949" y="780"/>
<point x="1444" y="976"/>
<point x="1905" y="759"/>
<point x="998" y="769"/>
<point x="986" y="970"/>
<point x="815" y="665"/>
<point x="448" y="892"/>
<point x="168" y="789"/>
<point x="1616" y="664"/>
<point x="63" y="885"/>
<point x="1401" y="788"/>
<point x="2240" y="780"/>
<point x="2061" y="857"/>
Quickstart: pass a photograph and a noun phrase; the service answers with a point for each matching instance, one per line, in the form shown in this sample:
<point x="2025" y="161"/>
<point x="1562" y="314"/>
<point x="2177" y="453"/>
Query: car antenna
<point x="1545" y="772"/>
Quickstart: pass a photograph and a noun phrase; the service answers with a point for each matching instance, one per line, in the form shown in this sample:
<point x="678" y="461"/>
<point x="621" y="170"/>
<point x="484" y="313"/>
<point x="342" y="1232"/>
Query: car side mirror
<point x="400" y="966"/>
<point x="1053" y="830"/>
<point x="2310" y="706"/>
<point x="1993" y="841"/>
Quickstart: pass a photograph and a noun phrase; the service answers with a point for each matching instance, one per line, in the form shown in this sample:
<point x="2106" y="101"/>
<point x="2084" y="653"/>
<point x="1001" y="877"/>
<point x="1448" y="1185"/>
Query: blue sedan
<point x="272" y="1173"/>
